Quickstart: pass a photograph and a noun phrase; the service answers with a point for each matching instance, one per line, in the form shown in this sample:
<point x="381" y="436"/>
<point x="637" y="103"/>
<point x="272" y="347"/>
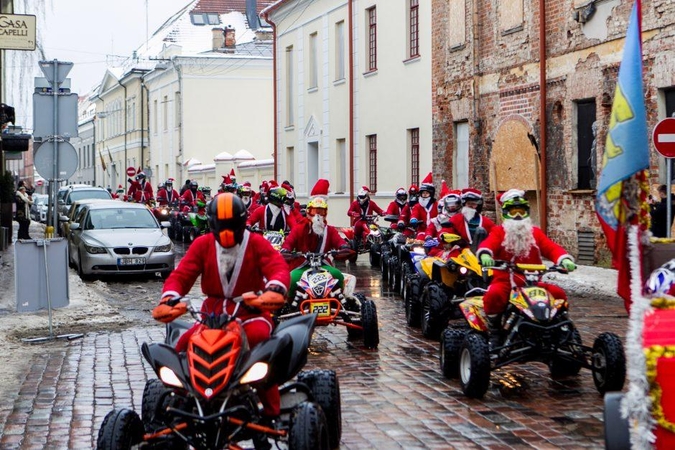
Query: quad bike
<point x="318" y="292"/>
<point x="207" y="397"/>
<point x="276" y="238"/>
<point x="449" y="281"/>
<point x="163" y="213"/>
<point x="386" y="247"/>
<point x="400" y="259"/>
<point x="534" y="327"/>
<point x="413" y="282"/>
<point x="369" y="243"/>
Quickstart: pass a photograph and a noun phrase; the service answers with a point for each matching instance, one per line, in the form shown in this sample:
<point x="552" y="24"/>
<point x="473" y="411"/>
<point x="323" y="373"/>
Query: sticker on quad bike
<point x="528" y="296"/>
<point x="472" y="308"/>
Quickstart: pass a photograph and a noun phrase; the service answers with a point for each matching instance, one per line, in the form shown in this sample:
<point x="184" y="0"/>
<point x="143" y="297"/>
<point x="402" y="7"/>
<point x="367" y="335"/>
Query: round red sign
<point x="664" y="137"/>
<point x="39" y="182"/>
<point x="131" y="171"/>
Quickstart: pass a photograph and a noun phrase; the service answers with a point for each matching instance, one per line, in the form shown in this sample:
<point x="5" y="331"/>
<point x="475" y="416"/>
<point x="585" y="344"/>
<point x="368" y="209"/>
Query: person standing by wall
<point x="23" y="202"/>
<point x="659" y="213"/>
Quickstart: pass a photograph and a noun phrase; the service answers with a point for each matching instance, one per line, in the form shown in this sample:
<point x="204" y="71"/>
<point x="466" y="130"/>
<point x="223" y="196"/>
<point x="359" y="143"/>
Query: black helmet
<point x="194" y="184"/>
<point x="277" y="196"/>
<point x="227" y="219"/>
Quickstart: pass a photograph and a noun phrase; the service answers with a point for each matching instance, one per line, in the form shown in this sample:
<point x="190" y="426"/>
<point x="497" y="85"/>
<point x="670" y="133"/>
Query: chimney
<point x="218" y="38"/>
<point x="230" y="40"/>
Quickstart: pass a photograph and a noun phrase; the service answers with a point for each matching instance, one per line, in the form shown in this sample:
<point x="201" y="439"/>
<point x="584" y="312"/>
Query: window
<point x="372" y="162"/>
<point x="313" y="61"/>
<point x="414" y="29"/>
<point x="213" y="18"/>
<point x="312" y="163"/>
<point x="415" y="156"/>
<point x="461" y="155"/>
<point x="341" y="156"/>
<point x="176" y="110"/>
<point x="165" y="113"/>
<point x="372" y="39"/>
<point x="669" y="95"/>
<point x="205" y="19"/>
<point x="586" y="150"/>
<point x="197" y="19"/>
<point x="290" y="160"/>
<point x="290" y="120"/>
<point x="456" y="23"/>
<point x="510" y="15"/>
<point x="340" y="50"/>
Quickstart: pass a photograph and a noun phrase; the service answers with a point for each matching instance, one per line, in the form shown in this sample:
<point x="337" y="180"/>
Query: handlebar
<point x="541" y="269"/>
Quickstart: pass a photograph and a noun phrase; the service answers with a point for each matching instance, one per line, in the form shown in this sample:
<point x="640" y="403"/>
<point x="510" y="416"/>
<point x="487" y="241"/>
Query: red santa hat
<point x="264" y="186"/>
<point x="471" y="193"/>
<point x="319" y="194"/>
<point x="445" y="190"/>
<point x="363" y="191"/>
<point x="247" y="184"/>
<point x="273" y="184"/>
<point x="232" y="175"/>
<point x="427" y="182"/>
<point x="226" y="179"/>
<point x="286" y="185"/>
<point x="510" y="195"/>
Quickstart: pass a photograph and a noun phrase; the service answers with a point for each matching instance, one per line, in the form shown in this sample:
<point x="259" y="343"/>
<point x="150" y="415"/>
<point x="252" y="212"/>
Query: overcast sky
<point x="91" y="33"/>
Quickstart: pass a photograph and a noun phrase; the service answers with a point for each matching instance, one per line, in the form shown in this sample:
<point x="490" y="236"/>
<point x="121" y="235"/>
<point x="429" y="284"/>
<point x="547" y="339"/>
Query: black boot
<point x="494" y="323"/>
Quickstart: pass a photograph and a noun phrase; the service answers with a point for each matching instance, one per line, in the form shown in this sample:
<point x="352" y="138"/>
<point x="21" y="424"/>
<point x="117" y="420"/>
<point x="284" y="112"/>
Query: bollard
<point x="49" y="232"/>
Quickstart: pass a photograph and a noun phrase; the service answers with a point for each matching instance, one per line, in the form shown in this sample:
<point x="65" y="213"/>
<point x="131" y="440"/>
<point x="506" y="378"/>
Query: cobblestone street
<point x="394" y="397"/>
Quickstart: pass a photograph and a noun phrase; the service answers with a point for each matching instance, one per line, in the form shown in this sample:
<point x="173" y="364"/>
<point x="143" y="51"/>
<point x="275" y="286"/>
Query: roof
<point x="229" y="5"/>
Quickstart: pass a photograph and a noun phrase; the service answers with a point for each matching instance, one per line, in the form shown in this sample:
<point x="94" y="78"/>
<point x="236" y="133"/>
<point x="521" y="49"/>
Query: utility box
<point x="41" y="274"/>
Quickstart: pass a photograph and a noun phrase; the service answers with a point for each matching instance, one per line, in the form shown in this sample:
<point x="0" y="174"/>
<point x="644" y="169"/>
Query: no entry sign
<point x="131" y="171"/>
<point x="664" y="137"/>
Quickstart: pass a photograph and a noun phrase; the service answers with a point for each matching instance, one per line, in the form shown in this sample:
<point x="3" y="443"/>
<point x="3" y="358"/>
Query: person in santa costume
<point x="426" y="207"/>
<point x="272" y="216"/>
<point x="140" y="190"/>
<point x="360" y="208"/>
<point x="168" y="195"/>
<point x="291" y="206"/>
<point x="396" y="207"/>
<point x="404" y="218"/>
<point x="449" y="205"/>
<point x="245" y="193"/>
<point x="314" y="235"/>
<point x="518" y="241"/>
<point x="231" y="261"/>
<point x="192" y="197"/>
<point x="471" y="219"/>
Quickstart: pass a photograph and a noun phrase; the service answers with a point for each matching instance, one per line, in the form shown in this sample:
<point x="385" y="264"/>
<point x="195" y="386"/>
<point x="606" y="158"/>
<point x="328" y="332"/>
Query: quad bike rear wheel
<point x="371" y="331"/>
<point x="155" y="400"/>
<point x="432" y="318"/>
<point x="413" y="309"/>
<point x="308" y="428"/>
<point x="384" y="265"/>
<point x="451" y="344"/>
<point x="560" y="367"/>
<point x="121" y="429"/>
<point x="405" y="274"/>
<point x="609" y="363"/>
<point x="374" y="255"/>
<point x="474" y="365"/>
<point x="355" y="333"/>
<point x="326" y="391"/>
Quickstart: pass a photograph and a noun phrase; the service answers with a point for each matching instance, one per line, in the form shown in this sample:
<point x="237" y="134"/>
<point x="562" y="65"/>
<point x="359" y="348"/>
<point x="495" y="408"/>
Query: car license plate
<point x="322" y="309"/>
<point x="130" y="261"/>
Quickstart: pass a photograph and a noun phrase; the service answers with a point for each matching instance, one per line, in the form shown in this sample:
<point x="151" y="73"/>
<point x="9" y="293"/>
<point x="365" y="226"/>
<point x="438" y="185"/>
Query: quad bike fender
<point x="286" y="351"/>
<point x="175" y="329"/>
<point x="443" y="275"/>
<point x="350" y="284"/>
<point x="473" y="311"/>
<point x="468" y="259"/>
<point x="163" y="355"/>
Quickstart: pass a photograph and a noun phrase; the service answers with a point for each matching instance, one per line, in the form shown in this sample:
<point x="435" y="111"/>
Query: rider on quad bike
<point x="404" y="218"/>
<point x="360" y="208"/>
<point x="396" y="207"/>
<point x="168" y="196"/>
<point x="471" y="220"/>
<point x="189" y="198"/>
<point x="315" y="235"/>
<point x="231" y="261"/>
<point x="426" y="208"/>
<point x="272" y="216"/>
<point x="517" y="241"/>
<point x="449" y="206"/>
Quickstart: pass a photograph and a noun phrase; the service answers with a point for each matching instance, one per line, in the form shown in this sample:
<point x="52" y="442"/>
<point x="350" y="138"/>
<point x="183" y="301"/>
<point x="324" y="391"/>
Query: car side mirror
<point x="74" y="226"/>
<point x="63" y="218"/>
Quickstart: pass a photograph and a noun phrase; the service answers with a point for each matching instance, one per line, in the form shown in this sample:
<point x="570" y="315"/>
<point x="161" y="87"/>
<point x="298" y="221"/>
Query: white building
<point x="364" y="120"/>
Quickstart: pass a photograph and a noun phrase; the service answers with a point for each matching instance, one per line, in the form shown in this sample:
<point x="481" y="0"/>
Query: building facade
<point x="522" y="94"/>
<point x="353" y="96"/>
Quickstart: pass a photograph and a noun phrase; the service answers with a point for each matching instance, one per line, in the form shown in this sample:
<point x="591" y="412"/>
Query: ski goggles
<point x="323" y="212"/>
<point x="517" y="212"/>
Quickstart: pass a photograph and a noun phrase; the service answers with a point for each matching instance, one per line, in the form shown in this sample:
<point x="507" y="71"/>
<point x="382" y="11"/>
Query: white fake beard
<point x="318" y="224"/>
<point x="424" y="201"/>
<point x="518" y="236"/>
<point x="468" y="213"/>
<point x="227" y="258"/>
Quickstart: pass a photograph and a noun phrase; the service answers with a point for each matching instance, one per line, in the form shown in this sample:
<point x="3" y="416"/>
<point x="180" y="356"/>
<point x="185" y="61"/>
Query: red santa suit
<point x="357" y="210"/>
<point x="461" y="226"/>
<point x="257" y="267"/>
<point x="265" y="219"/>
<point x="303" y="239"/>
<point x="140" y="192"/>
<point x="167" y="197"/>
<point x="189" y="199"/>
<point x="497" y="295"/>
<point x="424" y="215"/>
<point x="394" y="209"/>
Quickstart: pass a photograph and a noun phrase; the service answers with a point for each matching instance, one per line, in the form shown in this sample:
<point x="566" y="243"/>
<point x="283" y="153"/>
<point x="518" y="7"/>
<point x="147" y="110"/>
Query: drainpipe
<point x="178" y="69"/>
<point x="543" y="207"/>
<point x="124" y="109"/>
<point x="143" y="88"/>
<point x="274" y="92"/>
<point x="350" y="11"/>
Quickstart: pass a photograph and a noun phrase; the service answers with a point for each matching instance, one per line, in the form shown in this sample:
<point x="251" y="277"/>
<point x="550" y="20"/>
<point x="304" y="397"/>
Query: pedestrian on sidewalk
<point x="659" y="212"/>
<point x="23" y="202"/>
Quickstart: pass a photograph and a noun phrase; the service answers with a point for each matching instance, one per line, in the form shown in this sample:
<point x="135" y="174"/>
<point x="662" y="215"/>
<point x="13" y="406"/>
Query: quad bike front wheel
<point x="371" y="331"/>
<point x="309" y="430"/>
<point x="326" y="391"/>
<point x="560" y="367"/>
<point x="121" y="429"/>
<point x="384" y="266"/>
<point x="474" y="365"/>
<point x="413" y="309"/>
<point x="451" y="344"/>
<point x="374" y="255"/>
<point x="432" y="319"/>
<point x="609" y="363"/>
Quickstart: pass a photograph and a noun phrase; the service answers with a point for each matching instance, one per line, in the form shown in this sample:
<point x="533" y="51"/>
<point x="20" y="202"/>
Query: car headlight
<point x="257" y="372"/>
<point x="169" y="377"/>
<point x="94" y="250"/>
<point x="164" y="248"/>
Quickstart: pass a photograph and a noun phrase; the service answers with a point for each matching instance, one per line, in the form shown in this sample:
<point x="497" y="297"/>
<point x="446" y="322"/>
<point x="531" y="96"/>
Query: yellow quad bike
<point x="535" y="327"/>
<point x="451" y="277"/>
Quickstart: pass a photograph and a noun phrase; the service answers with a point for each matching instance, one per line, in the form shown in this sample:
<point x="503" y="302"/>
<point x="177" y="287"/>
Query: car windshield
<point x="110" y="219"/>
<point x="87" y="194"/>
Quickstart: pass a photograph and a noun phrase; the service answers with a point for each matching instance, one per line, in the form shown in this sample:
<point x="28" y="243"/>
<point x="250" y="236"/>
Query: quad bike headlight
<point x="169" y="377"/>
<point x="463" y="270"/>
<point x="256" y="373"/>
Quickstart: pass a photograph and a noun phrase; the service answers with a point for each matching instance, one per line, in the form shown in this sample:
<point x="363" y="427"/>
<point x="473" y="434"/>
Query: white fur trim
<point x="171" y="293"/>
<point x="278" y="283"/>
<point x="253" y="319"/>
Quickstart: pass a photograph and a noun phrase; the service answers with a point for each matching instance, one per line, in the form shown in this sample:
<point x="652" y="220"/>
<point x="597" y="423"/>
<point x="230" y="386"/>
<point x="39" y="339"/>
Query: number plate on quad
<point x="322" y="309"/>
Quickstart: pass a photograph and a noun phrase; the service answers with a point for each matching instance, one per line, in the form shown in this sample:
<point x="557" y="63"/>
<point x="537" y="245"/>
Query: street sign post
<point x="131" y="171"/>
<point x="664" y="137"/>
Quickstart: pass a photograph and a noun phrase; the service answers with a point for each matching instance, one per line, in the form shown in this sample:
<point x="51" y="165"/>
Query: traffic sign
<point x="39" y="182"/>
<point x="131" y="171"/>
<point x="66" y="160"/>
<point x="664" y="137"/>
<point x="43" y="115"/>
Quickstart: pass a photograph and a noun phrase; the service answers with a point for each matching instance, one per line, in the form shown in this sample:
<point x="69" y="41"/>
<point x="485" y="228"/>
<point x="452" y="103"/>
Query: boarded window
<point x="456" y="23"/>
<point x="510" y="14"/>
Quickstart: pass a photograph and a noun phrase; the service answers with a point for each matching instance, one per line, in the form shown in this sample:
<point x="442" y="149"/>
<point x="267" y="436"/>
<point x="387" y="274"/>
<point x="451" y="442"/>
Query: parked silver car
<point x="111" y="237"/>
<point x="38" y="210"/>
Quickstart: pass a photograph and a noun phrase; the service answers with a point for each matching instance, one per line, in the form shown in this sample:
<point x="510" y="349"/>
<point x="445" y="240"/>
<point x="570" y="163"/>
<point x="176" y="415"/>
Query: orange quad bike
<point x="318" y="292"/>
<point x="207" y="397"/>
<point x="535" y="327"/>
